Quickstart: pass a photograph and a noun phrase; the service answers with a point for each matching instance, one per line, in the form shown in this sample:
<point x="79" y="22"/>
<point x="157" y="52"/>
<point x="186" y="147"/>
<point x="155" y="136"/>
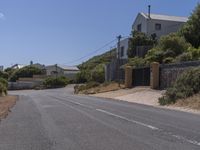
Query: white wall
<point x="140" y="20"/>
<point x="124" y="43"/>
<point x="166" y="27"/>
<point x="148" y="26"/>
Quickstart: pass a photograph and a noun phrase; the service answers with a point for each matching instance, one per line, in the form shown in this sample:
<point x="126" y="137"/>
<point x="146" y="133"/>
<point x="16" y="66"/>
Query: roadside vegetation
<point x="95" y="87"/>
<point x="93" y="69"/>
<point x="187" y="85"/>
<point x="55" y="82"/>
<point x="3" y="83"/>
<point x="25" y="72"/>
<point x="186" y="89"/>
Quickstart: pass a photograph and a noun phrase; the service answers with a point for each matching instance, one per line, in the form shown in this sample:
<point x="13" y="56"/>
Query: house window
<point x="158" y="26"/>
<point x="139" y="27"/>
<point x="122" y="51"/>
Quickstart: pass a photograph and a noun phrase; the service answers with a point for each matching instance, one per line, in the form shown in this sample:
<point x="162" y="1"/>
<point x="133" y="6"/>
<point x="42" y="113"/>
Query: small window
<point x="139" y="27"/>
<point x="122" y="51"/>
<point x="158" y="26"/>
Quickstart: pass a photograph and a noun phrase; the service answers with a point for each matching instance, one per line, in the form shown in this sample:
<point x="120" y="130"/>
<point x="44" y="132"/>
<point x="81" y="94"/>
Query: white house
<point x="18" y="66"/>
<point x="61" y="70"/>
<point x="157" y="25"/>
<point x="153" y="25"/>
<point x="122" y="53"/>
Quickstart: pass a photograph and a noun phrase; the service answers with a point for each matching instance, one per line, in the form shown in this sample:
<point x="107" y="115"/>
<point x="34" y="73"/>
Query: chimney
<point x="149" y="11"/>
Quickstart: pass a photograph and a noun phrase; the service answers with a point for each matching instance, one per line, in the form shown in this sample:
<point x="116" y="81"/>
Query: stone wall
<point x="170" y="72"/>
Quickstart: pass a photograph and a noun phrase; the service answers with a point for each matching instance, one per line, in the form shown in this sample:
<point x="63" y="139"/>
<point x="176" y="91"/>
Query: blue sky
<point x="61" y="31"/>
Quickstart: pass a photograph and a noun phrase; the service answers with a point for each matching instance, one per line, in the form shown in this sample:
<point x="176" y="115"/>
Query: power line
<point x="93" y="52"/>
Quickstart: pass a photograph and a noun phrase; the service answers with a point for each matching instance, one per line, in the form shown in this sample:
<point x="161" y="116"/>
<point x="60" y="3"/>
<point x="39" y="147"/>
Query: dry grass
<point x="6" y="103"/>
<point x="105" y="87"/>
<point x="191" y="102"/>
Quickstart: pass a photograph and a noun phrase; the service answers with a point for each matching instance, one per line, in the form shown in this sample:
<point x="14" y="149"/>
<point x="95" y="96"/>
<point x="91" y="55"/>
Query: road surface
<point x="58" y="120"/>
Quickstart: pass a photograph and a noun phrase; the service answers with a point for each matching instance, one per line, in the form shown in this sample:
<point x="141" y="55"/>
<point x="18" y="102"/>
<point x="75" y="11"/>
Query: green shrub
<point x="187" y="56"/>
<point x="55" y="82"/>
<point x="3" y="87"/>
<point x="4" y="82"/>
<point x="194" y="52"/>
<point x="26" y="72"/>
<point x="137" y="62"/>
<point x="4" y="75"/>
<point x="186" y="85"/>
<point x="98" y="74"/>
<point x="168" y="60"/>
<point x="169" y="46"/>
<point x="83" y="76"/>
<point x="138" y="39"/>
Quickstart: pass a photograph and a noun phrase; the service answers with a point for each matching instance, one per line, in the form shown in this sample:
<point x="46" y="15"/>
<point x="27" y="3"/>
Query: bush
<point x="138" y="39"/>
<point x="3" y="87"/>
<point x="98" y="74"/>
<point x="187" y="56"/>
<point x="4" y="75"/>
<point x="169" y="46"/>
<point x="83" y="76"/>
<point x="194" y="52"/>
<point x="53" y="82"/>
<point x="26" y="72"/>
<point x="4" y="82"/>
<point x="137" y="62"/>
<point x="186" y="85"/>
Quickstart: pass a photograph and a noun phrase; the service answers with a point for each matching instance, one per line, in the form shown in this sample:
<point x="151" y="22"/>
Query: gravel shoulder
<point x="6" y="103"/>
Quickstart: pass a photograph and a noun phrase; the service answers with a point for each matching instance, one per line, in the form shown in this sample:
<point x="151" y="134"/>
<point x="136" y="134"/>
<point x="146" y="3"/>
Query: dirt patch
<point x="191" y="102"/>
<point x="101" y="88"/>
<point x="108" y="87"/>
<point x="6" y="103"/>
<point x="141" y="95"/>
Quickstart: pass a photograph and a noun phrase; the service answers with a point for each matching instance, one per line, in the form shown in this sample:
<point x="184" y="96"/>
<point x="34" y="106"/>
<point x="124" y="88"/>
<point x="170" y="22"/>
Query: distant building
<point x="157" y="25"/>
<point x="38" y="65"/>
<point x="17" y="66"/>
<point x="61" y="70"/>
<point x="1" y="68"/>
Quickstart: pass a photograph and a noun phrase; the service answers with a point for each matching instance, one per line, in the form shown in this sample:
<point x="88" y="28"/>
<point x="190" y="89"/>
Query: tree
<point x="138" y="39"/>
<point x="191" y="30"/>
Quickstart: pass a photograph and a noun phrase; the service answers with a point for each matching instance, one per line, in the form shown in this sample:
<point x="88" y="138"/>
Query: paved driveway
<point x="59" y="120"/>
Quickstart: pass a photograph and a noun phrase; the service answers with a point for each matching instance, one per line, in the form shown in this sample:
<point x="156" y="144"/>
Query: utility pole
<point x="56" y="71"/>
<point x="118" y="58"/>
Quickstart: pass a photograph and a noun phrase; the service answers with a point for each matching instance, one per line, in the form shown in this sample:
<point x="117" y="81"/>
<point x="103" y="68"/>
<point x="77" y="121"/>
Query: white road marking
<point x="129" y="120"/>
<point x="151" y="127"/>
<point x="136" y="122"/>
<point x="187" y="140"/>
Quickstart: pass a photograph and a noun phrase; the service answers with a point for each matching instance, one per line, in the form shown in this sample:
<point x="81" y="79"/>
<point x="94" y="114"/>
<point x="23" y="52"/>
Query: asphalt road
<point x="59" y="120"/>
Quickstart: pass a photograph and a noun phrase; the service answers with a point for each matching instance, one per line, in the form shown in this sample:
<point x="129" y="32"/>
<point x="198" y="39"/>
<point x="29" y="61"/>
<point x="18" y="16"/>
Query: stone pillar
<point x="128" y="77"/>
<point x="154" y="83"/>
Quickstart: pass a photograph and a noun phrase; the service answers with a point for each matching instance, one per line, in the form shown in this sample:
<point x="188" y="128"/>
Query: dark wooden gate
<point x="141" y="76"/>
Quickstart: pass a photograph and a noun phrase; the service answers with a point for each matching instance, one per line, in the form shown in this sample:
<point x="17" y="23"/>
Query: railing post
<point x="154" y="77"/>
<point x="128" y="77"/>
